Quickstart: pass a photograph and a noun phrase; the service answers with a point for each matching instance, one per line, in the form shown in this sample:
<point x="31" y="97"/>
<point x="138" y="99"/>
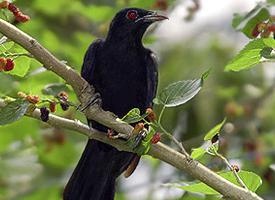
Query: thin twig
<point x="175" y="141"/>
<point x="238" y="178"/>
<point x="171" y="137"/>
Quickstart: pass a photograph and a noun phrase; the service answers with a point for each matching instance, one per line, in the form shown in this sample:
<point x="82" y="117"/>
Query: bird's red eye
<point x="132" y="15"/>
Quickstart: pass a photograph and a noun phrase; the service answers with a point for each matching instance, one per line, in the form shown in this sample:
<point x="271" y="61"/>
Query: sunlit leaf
<point x="13" y="111"/>
<point x="214" y="131"/>
<point x="6" y="46"/>
<point x="133" y="116"/>
<point x="198" y="153"/>
<point x="179" y="93"/>
<point x="249" y="56"/>
<point x="251" y="180"/>
<point x="21" y="66"/>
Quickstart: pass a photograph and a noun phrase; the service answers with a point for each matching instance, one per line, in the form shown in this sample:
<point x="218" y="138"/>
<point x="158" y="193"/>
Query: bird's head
<point x="132" y="23"/>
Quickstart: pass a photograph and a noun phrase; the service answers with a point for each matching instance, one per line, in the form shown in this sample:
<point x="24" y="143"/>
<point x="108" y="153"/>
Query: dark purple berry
<point x="64" y="106"/>
<point x="215" y="138"/>
<point x="44" y="114"/>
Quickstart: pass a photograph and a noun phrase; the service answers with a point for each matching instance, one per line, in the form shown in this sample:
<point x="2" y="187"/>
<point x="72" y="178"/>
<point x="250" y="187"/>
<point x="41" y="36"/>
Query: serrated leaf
<point x="179" y="93"/>
<point x="251" y="180"/>
<point x="247" y="57"/>
<point x="214" y="131"/>
<point x="13" y="111"/>
<point x="21" y="66"/>
<point x="133" y="116"/>
<point x="246" y="23"/>
<point x="197" y="153"/>
<point x="54" y="89"/>
<point x="5" y="47"/>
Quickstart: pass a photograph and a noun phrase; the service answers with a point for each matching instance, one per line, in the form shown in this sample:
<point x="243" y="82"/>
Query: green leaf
<point x="214" y="131"/>
<point x="270" y="42"/>
<point x="198" y="153"/>
<point x="248" y="57"/>
<point x="145" y="145"/>
<point x="54" y="89"/>
<point x="6" y="46"/>
<point x="251" y="180"/>
<point x="13" y="111"/>
<point x="246" y="23"/>
<point x="21" y="66"/>
<point x="133" y="116"/>
<point x="179" y="93"/>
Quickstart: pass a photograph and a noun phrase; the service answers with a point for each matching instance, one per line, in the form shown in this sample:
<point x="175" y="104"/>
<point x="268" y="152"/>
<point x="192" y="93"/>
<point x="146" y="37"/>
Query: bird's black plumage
<point x="125" y="75"/>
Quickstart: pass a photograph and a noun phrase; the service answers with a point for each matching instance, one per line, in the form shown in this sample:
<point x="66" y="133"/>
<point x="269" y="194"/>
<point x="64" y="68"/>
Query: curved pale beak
<point x="152" y="17"/>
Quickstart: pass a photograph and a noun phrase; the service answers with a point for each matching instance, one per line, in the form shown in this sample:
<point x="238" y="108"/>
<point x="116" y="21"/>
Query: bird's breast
<point x="122" y="83"/>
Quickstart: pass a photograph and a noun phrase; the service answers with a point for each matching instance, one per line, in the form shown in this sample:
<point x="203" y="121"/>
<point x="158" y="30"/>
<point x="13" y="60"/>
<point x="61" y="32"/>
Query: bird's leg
<point x="114" y="135"/>
<point x="138" y="138"/>
<point x="96" y="99"/>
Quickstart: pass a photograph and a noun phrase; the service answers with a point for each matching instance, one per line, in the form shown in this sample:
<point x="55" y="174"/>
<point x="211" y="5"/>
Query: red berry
<point x="271" y="28"/>
<point x="13" y="8"/>
<point x="156" y="138"/>
<point x="9" y="65"/>
<point x="3" y="63"/>
<point x="151" y="114"/>
<point x="22" y="95"/>
<point x="63" y="95"/>
<point x="44" y="114"/>
<point x="255" y="31"/>
<point x="34" y="99"/>
<point x="20" y="17"/>
<point x="52" y="106"/>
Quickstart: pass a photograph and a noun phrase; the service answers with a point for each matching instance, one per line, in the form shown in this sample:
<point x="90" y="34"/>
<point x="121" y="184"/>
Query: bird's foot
<point x="140" y="140"/>
<point x="96" y="99"/>
<point x="114" y="135"/>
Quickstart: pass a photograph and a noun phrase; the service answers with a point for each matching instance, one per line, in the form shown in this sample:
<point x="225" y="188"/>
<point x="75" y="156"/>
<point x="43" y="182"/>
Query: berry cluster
<point x="19" y="16"/>
<point x="51" y="104"/>
<point x="6" y="64"/>
<point x="263" y="29"/>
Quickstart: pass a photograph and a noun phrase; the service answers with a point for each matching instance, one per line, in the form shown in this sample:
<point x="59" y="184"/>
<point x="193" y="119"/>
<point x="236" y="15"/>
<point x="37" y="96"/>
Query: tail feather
<point x="96" y="172"/>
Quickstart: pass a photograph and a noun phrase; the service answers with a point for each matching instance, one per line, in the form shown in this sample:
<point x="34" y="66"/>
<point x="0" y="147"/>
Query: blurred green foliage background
<point x="36" y="160"/>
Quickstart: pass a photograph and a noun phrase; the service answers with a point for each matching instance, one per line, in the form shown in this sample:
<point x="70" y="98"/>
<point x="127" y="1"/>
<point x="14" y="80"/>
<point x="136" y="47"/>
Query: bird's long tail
<point x="96" y="172"/>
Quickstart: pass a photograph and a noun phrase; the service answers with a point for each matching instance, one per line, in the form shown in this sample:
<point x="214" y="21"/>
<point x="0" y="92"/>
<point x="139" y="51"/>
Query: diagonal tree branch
<point x="84" y="92"/>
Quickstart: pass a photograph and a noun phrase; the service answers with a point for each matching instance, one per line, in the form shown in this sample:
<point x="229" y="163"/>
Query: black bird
<point x="124" y="73"/>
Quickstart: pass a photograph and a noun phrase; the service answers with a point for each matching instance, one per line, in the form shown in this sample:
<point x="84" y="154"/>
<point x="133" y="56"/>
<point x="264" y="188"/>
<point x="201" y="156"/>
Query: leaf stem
<point x="224" y="159"/>
<point x="161" y="114"/>
<point x="174" y="140"/>
<point x="18" y="55"/>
